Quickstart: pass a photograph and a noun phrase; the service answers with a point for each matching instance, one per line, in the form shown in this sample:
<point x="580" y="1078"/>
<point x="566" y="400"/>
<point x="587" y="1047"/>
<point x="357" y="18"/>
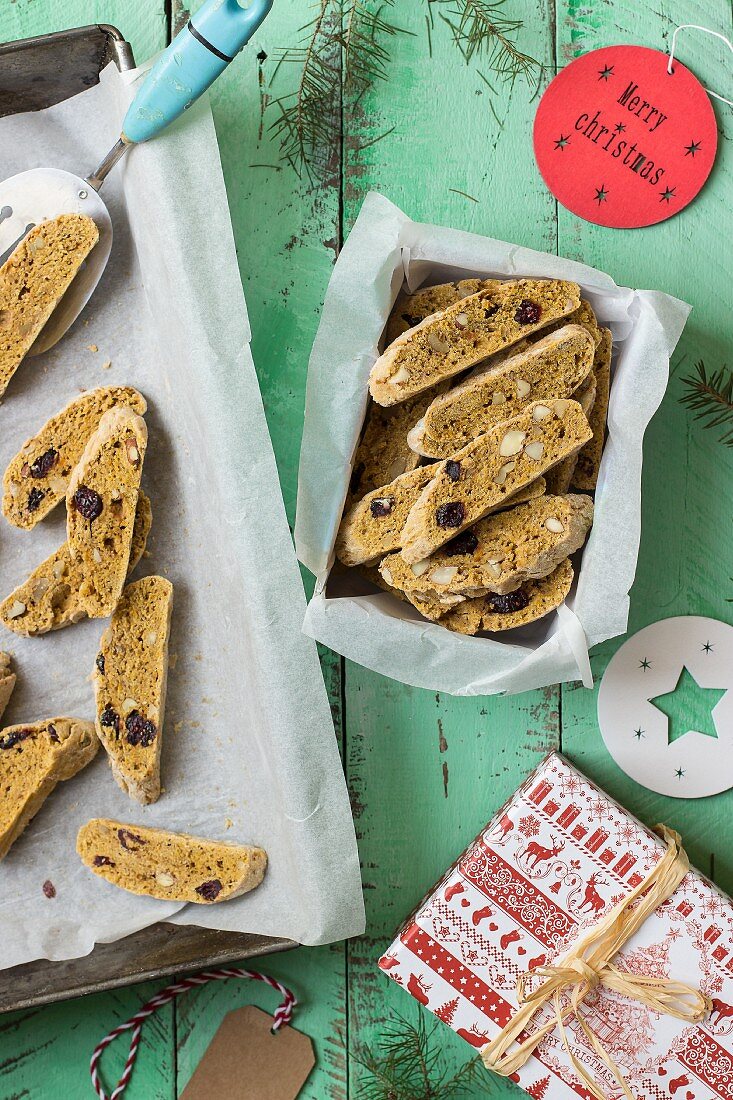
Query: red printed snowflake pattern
<point x="626" y="833"/>
<point x="529" y="826"/>
<point x="598" y="808"/>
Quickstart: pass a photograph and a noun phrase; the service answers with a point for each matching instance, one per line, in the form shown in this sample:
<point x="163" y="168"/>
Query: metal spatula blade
<point x="192" y="62"/>
<point x="43" y="193"/>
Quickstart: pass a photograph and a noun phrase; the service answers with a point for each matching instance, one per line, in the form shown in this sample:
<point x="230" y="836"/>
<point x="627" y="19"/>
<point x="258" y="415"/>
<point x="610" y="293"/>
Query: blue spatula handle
<point x="191" y="64"/>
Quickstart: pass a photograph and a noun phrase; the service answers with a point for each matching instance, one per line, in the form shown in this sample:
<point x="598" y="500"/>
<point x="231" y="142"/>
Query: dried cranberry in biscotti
<point x="465" y="543"/>
<point x="209" y="890"/>
<point x="528" y="312"/>
<point x="88" y="502"/>
<point x="43" y="464"/>
<point x="140" y="731"/>
<point x="34" y="499"/>
<point x="382" y="506"/>
<point x="450" y="514"/>
<point x="509" y="602"/>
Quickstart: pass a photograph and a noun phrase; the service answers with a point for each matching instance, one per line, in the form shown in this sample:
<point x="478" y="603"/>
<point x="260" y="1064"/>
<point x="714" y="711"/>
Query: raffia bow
<point x="588" y="964"/>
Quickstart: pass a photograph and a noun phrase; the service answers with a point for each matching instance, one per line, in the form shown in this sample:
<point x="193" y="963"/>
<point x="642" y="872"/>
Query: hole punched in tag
<point x="246" y="1060"/>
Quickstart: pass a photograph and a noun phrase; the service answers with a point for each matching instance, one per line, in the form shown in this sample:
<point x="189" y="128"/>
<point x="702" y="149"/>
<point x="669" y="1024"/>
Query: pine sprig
<point x="482" y="29"/>
<point x="343" y="52"/>
<point x="408" y="1065"/>
<point x="345" y="49"/>
<point x="710" y="396"/>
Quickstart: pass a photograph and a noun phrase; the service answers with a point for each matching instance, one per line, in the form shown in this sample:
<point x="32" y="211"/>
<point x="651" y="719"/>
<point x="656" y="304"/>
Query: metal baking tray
<point x="36" y="73"/>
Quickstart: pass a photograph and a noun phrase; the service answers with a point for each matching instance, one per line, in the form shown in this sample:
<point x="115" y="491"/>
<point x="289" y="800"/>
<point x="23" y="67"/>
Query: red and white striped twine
<point x="282" y="1015"/>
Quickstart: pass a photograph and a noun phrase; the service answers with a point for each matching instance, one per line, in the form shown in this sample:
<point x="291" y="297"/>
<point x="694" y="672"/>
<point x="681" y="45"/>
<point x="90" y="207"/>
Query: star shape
<point x="689" y="707"/>
<point x="667" y="194"/>
<point x="562" y="141"/>
<point x="619" y="128"/>
<point x="692" y="148"/>
<point x="645" y="664"/>
<point x="605" y="72"/>
<point x="708" y="647"/>
<point x="601" y="194"/>
<point x="638" y="734"/>
<point x="679" y="773"/>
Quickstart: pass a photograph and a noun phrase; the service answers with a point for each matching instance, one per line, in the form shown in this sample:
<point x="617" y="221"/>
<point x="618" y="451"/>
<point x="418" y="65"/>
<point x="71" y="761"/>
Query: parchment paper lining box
<point x="386" y="249"/>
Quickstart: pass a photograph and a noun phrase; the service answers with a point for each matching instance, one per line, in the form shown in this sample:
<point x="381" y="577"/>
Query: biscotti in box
<point x="467" y="400"/>
<point x="544" y="874"/>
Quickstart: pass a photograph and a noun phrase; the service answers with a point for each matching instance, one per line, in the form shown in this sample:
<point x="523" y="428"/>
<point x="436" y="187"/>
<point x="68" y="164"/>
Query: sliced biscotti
<point x="34" y="279"/>
<point x="410" y="309"/>
<point x="384" y="453"/>
<point x="101" y="502"/>
<point x="553" y="367"/>
<point x="38" y="476"/>
<point x="49" y="598"/>
<point x="499" y="553"/>
<point x="7" y="681"/>
<point x="586" y="470"/>
<point x="169" y="866"/>
<point x="494" y="466"/>
<point x="495" y="612"/>
<point x="130" y="676"/>
<point x="372" y="527"/>
<point x="33" y="759"/>
<point x="559" y="478"/>
<point x="462" y="335"/>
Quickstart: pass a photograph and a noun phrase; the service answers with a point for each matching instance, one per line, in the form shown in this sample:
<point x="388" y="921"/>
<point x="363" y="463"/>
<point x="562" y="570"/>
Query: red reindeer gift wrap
<point x="555" y="860"/>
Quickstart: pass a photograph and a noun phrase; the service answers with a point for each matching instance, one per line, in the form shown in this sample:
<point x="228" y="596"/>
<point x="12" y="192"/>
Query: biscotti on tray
<point x="489" y="408"/>
<point x="33" y="280"/>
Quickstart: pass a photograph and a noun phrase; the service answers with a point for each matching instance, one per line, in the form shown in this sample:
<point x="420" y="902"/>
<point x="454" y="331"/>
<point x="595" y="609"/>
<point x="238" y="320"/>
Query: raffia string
<point x="588" y="964"/>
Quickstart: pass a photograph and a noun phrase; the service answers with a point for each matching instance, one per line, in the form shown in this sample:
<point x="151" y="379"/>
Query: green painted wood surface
<point x="426" y="771"/>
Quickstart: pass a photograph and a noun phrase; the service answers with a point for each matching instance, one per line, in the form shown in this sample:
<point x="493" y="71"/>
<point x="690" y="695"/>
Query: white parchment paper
<point x="384" y="250"/>
<point x="249" y="750"/>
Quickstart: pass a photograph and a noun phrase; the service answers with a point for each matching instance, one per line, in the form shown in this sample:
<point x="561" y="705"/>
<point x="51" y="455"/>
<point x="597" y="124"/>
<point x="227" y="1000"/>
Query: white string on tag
<point x="705" y="30"/>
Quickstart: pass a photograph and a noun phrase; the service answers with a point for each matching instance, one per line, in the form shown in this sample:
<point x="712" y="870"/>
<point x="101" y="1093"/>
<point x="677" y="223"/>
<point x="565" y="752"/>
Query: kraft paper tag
<point x="245" y="1061"/>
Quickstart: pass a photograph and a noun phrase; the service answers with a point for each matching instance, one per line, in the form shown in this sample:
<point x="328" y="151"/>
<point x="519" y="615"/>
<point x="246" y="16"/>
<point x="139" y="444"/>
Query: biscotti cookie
<point x="169" y="866"/>
<point x="34" y="279"/>
<point x="7" y="681"/>
<point x="384" y="453"/>
<point x="410" y="309"/>
<point x="372" y="527"/>
<point x="130" y="675"/>
<point x="499" y="553"/>
<point x="497" y="464"/>
<point x="49" y="598"/>
<point x="553" y="367"/>
<point x="38" y="477"/>
<point x="462" y="335"/>
<point x="560" y="477"/>
<point x="532" y="601"/>
<point x="586" y="470"/>
<point x="33" y="759"/>
<point x="101" y="502"/>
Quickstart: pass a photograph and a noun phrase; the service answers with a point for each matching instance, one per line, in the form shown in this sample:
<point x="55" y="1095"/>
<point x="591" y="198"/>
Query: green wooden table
<point x="426" y="771"/>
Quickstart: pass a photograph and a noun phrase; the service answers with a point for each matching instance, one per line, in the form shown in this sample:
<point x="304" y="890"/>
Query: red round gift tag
<point x="622" y="142"/>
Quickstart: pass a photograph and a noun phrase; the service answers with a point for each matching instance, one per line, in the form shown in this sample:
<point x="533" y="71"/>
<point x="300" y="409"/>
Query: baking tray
<point x="36" y="73"/>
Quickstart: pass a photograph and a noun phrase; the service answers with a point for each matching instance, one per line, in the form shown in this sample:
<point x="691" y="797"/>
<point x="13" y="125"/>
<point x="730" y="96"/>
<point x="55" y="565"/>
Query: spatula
<point x="192" y="62"/>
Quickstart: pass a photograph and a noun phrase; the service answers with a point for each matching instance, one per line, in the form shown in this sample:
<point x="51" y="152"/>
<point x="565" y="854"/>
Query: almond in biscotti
<point x="560" y="477"/>
<point x="410" y="309"/>
<point x="33" y="759"/>
<point x="38" y="476"/>
<point x="527" y="604"/>
<point x="169" y="866"/>
<point x="494" y="466"/>
<point x="130" y="674"/>
<point x="101" y="502"/>
<point x="555" y="366"/>
<point x="34" y="279"/>
<point x="498" y="554"/>
<point x="49" y="598"/>
<point x="7" y="681"/>
<point x="586" y="470"/>
<point x="462" y="335"/>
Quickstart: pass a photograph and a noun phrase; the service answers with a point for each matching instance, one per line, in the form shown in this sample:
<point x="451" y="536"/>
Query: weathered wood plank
<point x="286" y="233"/>
<point x="684" y="563"/>
<point x="427" y="771"/>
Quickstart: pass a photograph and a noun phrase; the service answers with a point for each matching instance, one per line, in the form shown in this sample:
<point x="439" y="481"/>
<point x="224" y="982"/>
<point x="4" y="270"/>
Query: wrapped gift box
<point x="554" y="860"/>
